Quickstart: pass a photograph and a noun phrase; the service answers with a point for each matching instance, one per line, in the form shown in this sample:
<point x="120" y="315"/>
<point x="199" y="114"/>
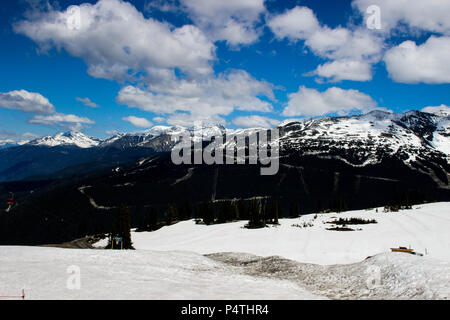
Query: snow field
<point x="424" y="228"/>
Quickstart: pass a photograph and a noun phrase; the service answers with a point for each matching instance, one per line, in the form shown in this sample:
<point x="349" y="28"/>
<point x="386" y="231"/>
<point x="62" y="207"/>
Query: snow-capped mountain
<point x="408" y="133"/>
<point x="7" y="144"/>
<point x="415" y="138"/>
<point x="370" y="136"/>
<point x="354" y="162"/>
<point x="161" y="138"/>
<point x="71" y="138"/>
<point x="158" y="137"/>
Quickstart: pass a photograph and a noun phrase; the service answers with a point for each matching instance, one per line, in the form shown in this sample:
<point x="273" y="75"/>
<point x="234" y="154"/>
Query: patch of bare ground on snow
<point x="394" y="275"/>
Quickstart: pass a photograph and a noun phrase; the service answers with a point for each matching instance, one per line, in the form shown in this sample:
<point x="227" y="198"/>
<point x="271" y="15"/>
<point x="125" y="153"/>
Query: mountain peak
<point x="68" y="138"/>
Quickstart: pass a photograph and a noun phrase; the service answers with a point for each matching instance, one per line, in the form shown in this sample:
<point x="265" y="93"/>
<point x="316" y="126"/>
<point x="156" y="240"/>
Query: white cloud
<point x="202" y="99"/>
<point x="345" y="70"/>
<point x="358" y="48"/>
<point x="171" y="67"/>
<point x="161" y="5"/>
<point x="31" y="102"/>
<point x="188" y="120"/>
<point x="7" y="135"/>
<point x="429" y="15"/>
<point x="16" y="138"/>
<point x="234" y="21"/>
<point x="111" y="132"/>
<point x="87" y="102"/>
<point x="310" y="102"/>
<point x="63" y="120"/>
<point x="443" y="110"/>
<point x="159" y="119"/>
<point x="25" y="101"/>
<point x="298" y="23"/>
<point x="255" y="121"/>
<point x="6" y="141"/>
<point x="138" y="122"/>
<point x="30" y="135"/>
<point x="342" y="43"/>
<point x="427" y="63"/>
<point x="117" y="42"/>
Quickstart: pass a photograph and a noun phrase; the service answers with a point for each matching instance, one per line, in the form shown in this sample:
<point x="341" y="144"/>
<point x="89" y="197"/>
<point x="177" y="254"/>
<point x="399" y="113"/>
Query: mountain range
<point x="356" y="161"/>
<point x="363" y="139"/>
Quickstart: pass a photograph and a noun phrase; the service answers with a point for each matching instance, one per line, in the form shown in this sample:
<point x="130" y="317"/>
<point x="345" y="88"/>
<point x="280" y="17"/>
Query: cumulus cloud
<point x="357" y="49"/>
<point x="159" y="119"/>
<point x="62" y="120"/>
<point x="429" y="15"/>
<point x="10" y="137"/>
<point x="188" y="120"/>
<point x="345" y="70"/>
<point x="7" y="136"/>
<point x="234" y="21"/>
<point x="409" y="62"/>
<point x="30" y="135"/>
<point x="161" y="5"/>
<point x="170" y="67"/>
<point x="255" y="121"/>
<point x="117" y="42"/>
<point x="427" y="63"/>
<point x="203" y="99"/>
<point x="87" y="102"/>
<point x="138" y="122"/>
<point x="111" y="132"/>
<point x="311" y="102"/>
<point x="298" y="23"/>
<point x="29" y="102"/>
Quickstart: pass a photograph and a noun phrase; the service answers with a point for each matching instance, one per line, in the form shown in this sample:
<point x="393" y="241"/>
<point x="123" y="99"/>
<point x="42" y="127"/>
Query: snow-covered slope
<point x="162" y="138"/>
<point x="424" y="228"/>
<point x="72" y="138"/>
<point x="108" y="274"/>
<point x="330" y="264"/>
<point x="441" y="137"/>
<point x="44" y="273"/>
<point x="384" y="276"/>
<point x="370" y="137"/>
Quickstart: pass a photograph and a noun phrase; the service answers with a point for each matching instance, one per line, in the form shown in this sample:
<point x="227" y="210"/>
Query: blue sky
<point x="241" y="63"/>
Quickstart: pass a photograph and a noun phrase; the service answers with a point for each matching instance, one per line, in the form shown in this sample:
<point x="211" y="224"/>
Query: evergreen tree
<point x="171" y="215"/>
<point x="153" y="220"/>
<point x="185" y="210"/>
<point x="242" y="210"/>
<point x="228" y="212"/>
<point x="272" y="211"/>
<point x="256" y="215"/>
<point x="234" y="212"/>
<point x="148" y="221"/>
<point x="83" y="228"/>
<point x="142" y="224"/>
<point x="222" y="216"/>
<point x="338" y="204"/>
<point x="294" y="210"/>
<point x="319" y="206"/>
<point x="276" y="208"/>
<point x="208" y="212"/>
<point x="120" y="236"/>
